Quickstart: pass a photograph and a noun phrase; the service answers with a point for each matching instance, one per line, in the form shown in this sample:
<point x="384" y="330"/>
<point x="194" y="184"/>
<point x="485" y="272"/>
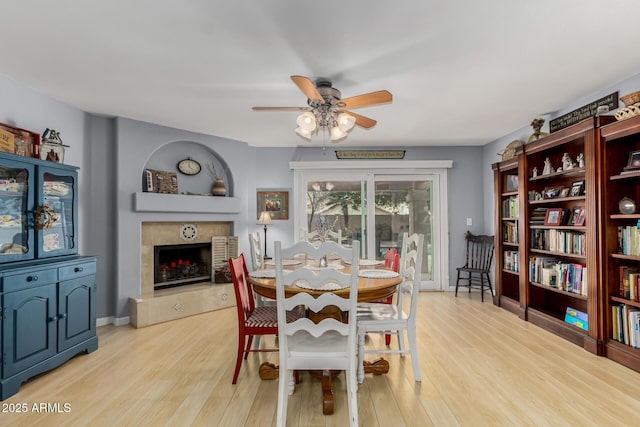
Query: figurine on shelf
<point x="567" y="163"/>
<point x="535" y="172"/>
<point x="548" y="169"/>
<point x="580" y="160"/>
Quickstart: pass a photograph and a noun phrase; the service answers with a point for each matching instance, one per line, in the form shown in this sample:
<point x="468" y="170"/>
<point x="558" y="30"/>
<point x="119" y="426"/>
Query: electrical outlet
<point x="469" y="221"/>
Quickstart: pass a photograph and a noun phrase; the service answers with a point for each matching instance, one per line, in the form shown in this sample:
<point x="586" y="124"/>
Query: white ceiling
<point x="461" y="72"/>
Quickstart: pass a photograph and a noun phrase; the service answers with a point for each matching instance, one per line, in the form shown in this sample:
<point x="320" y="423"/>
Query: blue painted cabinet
<point x="48" y="316"/>
<point x="47" y="291"/>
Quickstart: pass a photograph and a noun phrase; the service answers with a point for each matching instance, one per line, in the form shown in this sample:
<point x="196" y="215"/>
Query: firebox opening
<point x="178" y="265"/>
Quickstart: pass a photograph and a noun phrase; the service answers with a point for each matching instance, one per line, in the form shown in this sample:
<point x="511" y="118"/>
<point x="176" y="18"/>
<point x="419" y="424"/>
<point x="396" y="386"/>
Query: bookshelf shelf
<point x="560" y="291"/>
<point x="557" y="254"/>
<point x="625" y="301"/>
<point x="556" y="200"/>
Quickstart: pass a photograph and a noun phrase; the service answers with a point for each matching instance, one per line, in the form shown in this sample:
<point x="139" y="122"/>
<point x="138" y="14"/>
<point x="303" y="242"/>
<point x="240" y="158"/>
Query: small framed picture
<point x="274" y="202"/>
<point x="634" y="161"/>
<point x="551" y="192"/>
<point x="565" y="192"/>
<point x="580" y="217"/>
<point x="512" y="183"/>
<point x="553" y="216"/>
<point x="577" y="188"/>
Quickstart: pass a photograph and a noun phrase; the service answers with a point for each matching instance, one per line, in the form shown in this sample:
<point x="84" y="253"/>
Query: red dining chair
<point x="252" y="320"/>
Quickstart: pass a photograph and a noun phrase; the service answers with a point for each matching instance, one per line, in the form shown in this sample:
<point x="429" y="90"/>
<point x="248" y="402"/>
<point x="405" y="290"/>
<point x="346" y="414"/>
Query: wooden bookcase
<point x="508" y="229"/>
<point x="569" y="244"/>
<point x="619" y="140"/>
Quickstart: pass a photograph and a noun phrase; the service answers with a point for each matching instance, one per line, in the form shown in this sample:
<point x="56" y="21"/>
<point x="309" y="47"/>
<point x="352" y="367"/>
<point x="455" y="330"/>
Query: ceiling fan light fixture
<point x="307" y="121"/>
<point x="303" y="133"/>
<point x="346" y="122"/>
<point x="337" y="133"/>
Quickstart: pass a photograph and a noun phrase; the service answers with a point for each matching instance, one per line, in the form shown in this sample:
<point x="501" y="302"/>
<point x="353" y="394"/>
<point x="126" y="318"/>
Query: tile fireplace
<point x="176" y="272"/>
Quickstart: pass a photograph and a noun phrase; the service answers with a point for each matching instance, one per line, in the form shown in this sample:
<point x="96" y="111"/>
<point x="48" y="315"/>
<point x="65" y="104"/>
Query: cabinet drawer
<point x="29" y="279"/>
<point x="77" y="270"/>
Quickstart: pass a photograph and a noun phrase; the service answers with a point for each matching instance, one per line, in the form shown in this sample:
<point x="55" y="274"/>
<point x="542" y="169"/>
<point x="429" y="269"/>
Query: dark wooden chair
<point x="477" y="267"/>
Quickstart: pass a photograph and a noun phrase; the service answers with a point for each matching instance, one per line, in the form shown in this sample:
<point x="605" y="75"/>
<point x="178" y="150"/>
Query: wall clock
<point x="188" y="232"/>
<point x="189" y="167"/>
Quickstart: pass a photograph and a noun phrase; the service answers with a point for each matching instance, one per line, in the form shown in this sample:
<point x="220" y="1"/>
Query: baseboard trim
<point x="111" y="320"/>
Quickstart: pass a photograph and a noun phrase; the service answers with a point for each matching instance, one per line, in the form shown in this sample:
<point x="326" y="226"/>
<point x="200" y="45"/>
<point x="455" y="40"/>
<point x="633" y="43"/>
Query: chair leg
<point x="457" y="283"/>
<point x="481" y="287"/>
<point x="360" y="368"/>
<point x="283" y="398"/>
<point x="246" y="351"/>
<point x="352" y="397"/>
<point x="241" y="339"/>
<point x="401" y="344"/>
<point x="415" y="359"/>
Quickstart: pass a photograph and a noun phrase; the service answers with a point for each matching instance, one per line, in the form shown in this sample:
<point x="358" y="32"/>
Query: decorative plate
<point x="332" y="265"/>
<point x="377" y="274"/>
<point x="366" y="262"/>
<point x="284" y="262"/>
<point x="327" y="286"/>
<point x="268" y="273"/>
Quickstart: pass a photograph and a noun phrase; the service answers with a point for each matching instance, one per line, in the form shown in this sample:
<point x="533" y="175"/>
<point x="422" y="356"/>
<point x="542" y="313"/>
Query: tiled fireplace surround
<point x="155" y="306"/>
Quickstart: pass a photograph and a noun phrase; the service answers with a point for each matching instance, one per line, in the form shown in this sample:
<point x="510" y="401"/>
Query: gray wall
<point x="112" y="154"/>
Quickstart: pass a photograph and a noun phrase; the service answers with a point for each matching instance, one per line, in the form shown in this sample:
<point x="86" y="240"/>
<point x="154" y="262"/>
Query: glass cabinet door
<point x="55" y="221"/>
<point x="16" y="238"/>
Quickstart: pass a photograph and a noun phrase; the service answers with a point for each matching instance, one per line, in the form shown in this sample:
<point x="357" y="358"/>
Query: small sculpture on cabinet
<point x="567" y="163"/>
<point x="536" y="124"/>
<point x="580" y="160"/>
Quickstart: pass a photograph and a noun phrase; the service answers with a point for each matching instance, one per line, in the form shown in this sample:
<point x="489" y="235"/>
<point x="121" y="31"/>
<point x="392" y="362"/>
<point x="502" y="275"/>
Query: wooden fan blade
<point x="373" y="98"/>
<point x="281" y="108"/>
<point x="308" y="88"/>
<point x="361" y="121"/>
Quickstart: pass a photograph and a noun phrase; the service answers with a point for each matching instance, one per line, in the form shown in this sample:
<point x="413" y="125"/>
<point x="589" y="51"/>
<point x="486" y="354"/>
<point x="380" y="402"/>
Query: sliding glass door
<point x="376" y="208"/>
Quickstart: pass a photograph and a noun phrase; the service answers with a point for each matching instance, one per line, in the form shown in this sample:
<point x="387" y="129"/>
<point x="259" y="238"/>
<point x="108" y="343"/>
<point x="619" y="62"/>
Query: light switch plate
<point x="469" y="221"/>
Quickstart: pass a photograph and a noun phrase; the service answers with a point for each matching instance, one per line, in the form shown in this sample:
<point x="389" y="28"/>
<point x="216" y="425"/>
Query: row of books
<point x="626" y="324"/>
<point x="629" y="240"/>
<point x="561" y="241"/>
<point x="511" y="261"/>
<point x="510" y="207"/>
<point x="510" y="232"/>
<point x="629" y="283"/>
<point x="538" y="216"/>
<point x="548" y="271"/>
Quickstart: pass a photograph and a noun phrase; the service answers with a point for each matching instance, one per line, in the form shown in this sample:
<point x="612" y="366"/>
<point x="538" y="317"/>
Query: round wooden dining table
<point x="369" y="290"/>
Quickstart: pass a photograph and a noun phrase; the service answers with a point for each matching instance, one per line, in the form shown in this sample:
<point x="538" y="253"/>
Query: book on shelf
<point x="626" y="324"/>
<point x="629" y="240"/>
<point x="628" y="286"/>
<point x="510" y="232"/>
<point x="569" y="277"/>
<point x="510" y="207"/>
<point x="561" y="241"/>
<point x="576" y="322"/>
<point x="511" y="260"/>
<point x="538" y="216"/>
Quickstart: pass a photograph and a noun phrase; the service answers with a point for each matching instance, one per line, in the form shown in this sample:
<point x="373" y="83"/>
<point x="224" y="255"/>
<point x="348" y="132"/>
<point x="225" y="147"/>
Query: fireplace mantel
<point x="154" y="202"/>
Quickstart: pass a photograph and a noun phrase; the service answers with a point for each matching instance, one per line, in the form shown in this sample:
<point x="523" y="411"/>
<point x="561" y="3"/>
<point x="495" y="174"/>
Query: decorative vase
<point x="626" y="206"/>
<point x="219" y="189"/>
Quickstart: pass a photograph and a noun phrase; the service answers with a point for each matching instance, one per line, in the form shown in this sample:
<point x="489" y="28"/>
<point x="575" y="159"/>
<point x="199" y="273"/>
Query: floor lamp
<point x="265" y="219"/>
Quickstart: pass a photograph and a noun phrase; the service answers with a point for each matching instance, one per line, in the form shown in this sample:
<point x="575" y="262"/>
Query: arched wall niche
<point x="167" y="156"/>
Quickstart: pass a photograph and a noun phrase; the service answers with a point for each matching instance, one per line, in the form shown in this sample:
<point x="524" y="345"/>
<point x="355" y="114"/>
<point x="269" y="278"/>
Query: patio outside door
<point x="376" y="209"/>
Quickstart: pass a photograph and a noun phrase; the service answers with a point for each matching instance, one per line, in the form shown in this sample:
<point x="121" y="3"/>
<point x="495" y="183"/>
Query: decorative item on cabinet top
<point x="510" y="149"/>
<point x="52" y="148"/>
<point x="632" y="106"/>
<point x="160" y="181"/>
<point x="19" y="141"/>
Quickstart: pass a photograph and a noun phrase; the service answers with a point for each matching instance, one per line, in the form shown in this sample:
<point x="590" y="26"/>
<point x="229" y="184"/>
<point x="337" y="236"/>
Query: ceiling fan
<point x="328" y="111"/>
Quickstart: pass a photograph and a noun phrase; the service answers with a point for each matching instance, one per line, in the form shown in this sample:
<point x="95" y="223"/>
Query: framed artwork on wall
<point x="274" y="202"/>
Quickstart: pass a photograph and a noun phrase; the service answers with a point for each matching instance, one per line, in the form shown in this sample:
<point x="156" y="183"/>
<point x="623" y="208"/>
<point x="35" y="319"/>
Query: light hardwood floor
<point x="481" y="366"/>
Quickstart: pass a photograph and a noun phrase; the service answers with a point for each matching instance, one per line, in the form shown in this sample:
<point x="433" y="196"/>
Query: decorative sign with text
<point x="370" y="154"/>
<point x="584" y="112"/>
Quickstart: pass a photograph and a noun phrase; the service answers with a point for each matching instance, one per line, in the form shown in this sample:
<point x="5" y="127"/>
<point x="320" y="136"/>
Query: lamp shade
<point x="303" y="133"/>
<point x="265" y="218"/>
<point x="307" y="121"/>
<point x="337" y="133"/>
<point x="346" y="122"/>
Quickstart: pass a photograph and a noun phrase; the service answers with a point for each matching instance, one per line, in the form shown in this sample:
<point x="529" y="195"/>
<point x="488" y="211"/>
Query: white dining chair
<point x="330" y="344"/>
<point x="392" y="318"/>
<point x="255" y="248"/>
